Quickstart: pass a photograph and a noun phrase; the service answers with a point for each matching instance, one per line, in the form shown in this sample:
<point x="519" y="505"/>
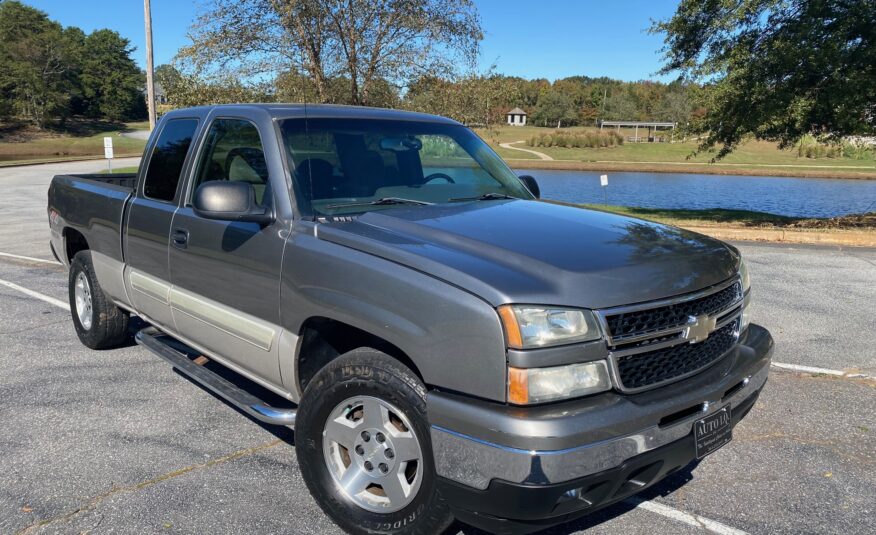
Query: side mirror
<point x="229" y="201"/>
<point x="531" y="185"/>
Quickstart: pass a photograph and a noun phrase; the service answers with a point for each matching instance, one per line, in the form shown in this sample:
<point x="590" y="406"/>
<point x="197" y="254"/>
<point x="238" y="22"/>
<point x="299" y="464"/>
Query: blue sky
<point x="533" y="39"/>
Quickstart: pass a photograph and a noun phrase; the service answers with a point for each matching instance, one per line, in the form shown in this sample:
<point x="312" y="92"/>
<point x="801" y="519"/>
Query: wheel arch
<point x="323" y="339"/>
<point x="74" y="241"/>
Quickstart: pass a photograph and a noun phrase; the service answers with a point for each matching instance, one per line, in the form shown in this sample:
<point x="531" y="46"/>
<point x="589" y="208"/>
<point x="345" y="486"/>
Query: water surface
<point x="804" y="197"/>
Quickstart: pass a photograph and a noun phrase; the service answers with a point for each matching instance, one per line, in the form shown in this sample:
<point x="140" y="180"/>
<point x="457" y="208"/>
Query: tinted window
<point x="233" y="151"/>
<point x="168" y="156"/>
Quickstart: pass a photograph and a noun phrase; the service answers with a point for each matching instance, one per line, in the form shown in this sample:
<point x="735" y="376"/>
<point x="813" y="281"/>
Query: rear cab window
<point x="167" y="159"/>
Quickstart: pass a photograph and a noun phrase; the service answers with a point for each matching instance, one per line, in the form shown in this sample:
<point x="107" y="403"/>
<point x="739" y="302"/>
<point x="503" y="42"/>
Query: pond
<point x="804" y="197"/>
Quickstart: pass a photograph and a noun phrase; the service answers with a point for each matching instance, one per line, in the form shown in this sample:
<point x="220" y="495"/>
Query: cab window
<point x="167" y="159"/>
<point x="233" y="151"/>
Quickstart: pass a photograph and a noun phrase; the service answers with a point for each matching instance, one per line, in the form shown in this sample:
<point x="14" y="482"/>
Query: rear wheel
<point x="98" y="322"/>
<point x="363" y="447"/>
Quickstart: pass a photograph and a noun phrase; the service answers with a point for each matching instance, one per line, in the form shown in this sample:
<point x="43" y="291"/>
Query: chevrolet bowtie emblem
<point x="699" y="328"/>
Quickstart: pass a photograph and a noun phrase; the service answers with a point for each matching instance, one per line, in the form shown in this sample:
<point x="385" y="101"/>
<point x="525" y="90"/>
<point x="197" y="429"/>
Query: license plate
<point x="713" y="431"/>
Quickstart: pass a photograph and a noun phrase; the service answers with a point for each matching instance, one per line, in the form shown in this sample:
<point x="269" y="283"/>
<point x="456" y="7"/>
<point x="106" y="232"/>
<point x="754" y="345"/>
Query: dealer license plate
<point x="713" y="431"/>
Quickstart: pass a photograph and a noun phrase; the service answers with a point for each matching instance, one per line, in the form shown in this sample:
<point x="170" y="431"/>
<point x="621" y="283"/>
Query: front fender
<point x="453" y="337"/>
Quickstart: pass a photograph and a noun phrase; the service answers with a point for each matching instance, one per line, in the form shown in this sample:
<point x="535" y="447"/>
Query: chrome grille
<point x="649" y="344"/>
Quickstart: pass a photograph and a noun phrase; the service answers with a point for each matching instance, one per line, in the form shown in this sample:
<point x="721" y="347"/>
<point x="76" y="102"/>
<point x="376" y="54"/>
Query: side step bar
<point x="155" y="341"/>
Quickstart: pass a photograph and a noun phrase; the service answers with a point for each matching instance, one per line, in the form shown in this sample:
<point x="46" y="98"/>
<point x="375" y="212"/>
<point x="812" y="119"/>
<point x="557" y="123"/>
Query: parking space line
<point x="685" y="518"/>
<point x="815" y="369"/>
<point x="31" y="259"/>
<point x="37" y="295"/>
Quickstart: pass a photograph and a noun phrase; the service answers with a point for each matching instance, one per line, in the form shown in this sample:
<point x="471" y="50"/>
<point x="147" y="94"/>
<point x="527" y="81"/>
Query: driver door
<point x="226" y="275"/>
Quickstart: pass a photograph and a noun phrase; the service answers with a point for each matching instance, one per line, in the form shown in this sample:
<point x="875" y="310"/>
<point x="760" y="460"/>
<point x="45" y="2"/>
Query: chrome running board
<point x="157" y="342"/>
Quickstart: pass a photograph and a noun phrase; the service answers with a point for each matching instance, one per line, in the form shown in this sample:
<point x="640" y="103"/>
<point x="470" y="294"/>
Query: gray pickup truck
<point x="443" y="343"/>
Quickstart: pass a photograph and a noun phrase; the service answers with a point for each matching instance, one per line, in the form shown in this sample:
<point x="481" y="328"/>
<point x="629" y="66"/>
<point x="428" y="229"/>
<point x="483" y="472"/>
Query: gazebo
<point x="516" y="117"/>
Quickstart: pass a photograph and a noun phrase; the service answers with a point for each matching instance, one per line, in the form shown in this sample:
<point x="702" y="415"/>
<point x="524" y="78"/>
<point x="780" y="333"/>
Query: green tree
<point x="621" y="106"/>
<point x="359" y="43"/>
<point x="36" y="64"/>
<point x="676" y="105"/>
<point x="169" y="78"/>
<point x="776" y="69"/>
<point x="554" y="107"/>
<point x="112" y="84"/>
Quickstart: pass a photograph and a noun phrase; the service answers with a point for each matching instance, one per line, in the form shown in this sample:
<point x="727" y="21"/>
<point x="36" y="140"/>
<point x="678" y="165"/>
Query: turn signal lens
<point x="512" y="329"/>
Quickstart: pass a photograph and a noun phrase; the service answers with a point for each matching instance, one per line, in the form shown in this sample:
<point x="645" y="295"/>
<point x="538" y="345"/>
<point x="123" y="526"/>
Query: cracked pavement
<point x="116" y="442"/>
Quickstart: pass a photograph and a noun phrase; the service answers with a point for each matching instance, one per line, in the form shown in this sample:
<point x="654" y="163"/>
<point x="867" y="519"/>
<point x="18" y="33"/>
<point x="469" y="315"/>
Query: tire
<point x="102" y="324"/>
<point x="370" y="377"/>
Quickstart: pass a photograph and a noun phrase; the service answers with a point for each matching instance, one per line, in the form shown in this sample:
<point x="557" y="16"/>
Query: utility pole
<point x="150" y="71"/>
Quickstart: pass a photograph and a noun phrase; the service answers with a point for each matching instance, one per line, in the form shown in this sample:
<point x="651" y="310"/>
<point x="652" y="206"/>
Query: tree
<point x="36" y="67"/>
<point x="676" y="105"/>
<point x="111" y="82"/>
<point x="185" y="90"/>
<point x="360" y="42"/>
<point x="621" y="106"/>
<point x="554" y="107"/>
<point x="776" y="69"/>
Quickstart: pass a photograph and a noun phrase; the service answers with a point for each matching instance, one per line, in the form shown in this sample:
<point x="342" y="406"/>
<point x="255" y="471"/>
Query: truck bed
<point x="124" y="180"/>
<point x="92" y="205"/>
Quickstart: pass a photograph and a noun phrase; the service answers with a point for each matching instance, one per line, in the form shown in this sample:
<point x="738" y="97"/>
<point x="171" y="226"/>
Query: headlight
<point x="743" y="274"/>
<point x="538" y="385"/>
<point x="528" y="326"/>
<point x="746" y="290"/>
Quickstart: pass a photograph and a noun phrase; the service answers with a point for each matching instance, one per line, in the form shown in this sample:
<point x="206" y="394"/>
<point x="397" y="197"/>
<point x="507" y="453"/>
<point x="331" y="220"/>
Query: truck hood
<point x="517" y="251"/>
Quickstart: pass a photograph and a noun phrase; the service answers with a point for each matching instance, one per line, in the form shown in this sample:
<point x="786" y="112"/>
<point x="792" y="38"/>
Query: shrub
<point x="577" y="140"/>
<point x="820" y="150"/>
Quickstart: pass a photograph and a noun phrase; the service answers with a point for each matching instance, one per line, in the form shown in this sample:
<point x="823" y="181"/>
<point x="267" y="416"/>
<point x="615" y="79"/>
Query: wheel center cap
<point x="374" y="452"/>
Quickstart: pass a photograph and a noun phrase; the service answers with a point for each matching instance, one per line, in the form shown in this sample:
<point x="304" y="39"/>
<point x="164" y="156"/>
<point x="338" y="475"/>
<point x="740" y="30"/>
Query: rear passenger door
<point x="149" y="217"/>
<point x="226" y="275"/>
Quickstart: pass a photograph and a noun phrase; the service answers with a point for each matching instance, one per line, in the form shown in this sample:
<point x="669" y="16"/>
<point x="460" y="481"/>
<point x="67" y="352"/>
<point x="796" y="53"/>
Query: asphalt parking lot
<point x="116" y="442"/>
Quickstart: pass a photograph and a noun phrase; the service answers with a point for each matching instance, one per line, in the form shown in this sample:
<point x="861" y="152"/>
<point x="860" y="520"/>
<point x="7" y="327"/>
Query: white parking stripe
<point x="30" y="258"/>
<point x="814" y="369"/>
<point x="51" y="300"/>
<point x="685" y="518"/>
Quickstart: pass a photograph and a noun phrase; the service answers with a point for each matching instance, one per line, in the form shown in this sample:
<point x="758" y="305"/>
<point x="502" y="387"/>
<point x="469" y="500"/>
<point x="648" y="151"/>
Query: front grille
<point x="641" y="370"/>
<point x="637" y="323"/>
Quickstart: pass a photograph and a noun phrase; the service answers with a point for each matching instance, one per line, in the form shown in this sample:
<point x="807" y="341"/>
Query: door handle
<point x="180" y="238"/>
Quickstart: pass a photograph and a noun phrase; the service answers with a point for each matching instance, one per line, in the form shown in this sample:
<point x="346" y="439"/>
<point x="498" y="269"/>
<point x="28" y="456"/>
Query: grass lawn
<point x="78" y="139"/>
<point x="741" y="218"/>
<point x="753" y="157"/>
<point x="121" y="170"/>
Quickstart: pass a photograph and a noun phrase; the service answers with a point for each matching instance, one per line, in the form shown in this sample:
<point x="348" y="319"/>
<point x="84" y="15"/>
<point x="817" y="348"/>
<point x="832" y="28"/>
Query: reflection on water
<point x="807" y="197"/>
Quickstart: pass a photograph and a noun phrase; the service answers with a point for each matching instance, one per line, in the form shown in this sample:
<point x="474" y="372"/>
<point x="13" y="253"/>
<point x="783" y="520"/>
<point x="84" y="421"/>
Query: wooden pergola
<point x="655" y="125"/>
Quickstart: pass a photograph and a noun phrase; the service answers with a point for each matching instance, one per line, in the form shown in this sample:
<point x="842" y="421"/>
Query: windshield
<point x="344" y="166"/>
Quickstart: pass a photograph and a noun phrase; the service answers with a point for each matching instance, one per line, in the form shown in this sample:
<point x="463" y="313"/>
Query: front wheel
<point x="363" y="447"/>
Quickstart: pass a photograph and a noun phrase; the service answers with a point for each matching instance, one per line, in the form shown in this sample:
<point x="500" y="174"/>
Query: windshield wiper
<point x="381" y="202"/>
<point x="485" y="197"/>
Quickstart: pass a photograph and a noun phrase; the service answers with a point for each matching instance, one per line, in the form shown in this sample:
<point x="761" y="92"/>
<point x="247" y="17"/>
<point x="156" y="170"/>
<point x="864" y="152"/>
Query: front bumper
<point x="504" y="462"/>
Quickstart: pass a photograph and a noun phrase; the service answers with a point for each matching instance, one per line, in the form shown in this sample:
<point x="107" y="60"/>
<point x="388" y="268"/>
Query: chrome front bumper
<point x="464" y="457"/>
